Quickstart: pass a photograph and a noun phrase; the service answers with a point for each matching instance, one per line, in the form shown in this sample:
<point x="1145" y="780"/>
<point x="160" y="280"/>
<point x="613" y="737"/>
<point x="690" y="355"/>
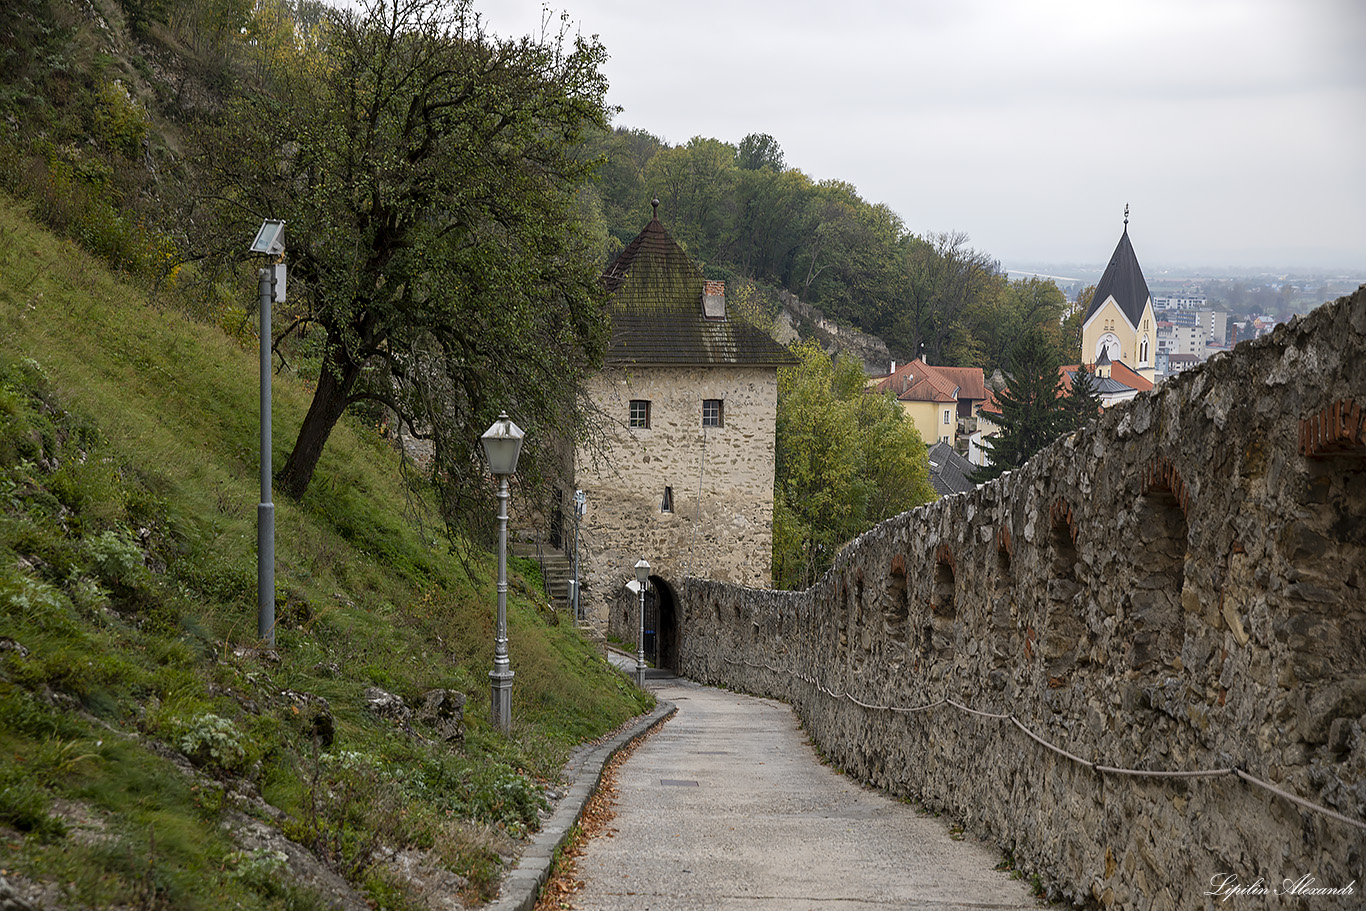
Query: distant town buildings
<point x="1179" y="302"/>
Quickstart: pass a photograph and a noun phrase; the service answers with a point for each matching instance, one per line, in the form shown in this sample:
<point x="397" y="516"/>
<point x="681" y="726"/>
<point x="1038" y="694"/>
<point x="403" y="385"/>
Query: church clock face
<point x="1109" y="343"/>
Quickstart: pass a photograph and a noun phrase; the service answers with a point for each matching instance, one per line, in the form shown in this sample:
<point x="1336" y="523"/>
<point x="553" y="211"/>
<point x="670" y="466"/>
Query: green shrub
<point x="118" y="557"/>
<point x="210" y="740"/>
<point x="120" y="122"/>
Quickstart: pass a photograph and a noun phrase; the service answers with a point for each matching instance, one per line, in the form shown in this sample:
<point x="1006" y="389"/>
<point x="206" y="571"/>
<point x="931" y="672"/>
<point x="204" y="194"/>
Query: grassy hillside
<point x="139" y="723"/>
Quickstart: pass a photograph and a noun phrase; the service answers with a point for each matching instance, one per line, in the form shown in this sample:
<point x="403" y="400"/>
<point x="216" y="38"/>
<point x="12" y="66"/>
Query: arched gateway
<point x="662" y="615"/>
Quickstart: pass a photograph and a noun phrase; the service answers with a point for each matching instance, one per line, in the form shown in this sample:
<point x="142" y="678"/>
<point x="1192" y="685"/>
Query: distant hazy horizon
<point x="1171" y="272"/>
<point x="1233" y="128"/>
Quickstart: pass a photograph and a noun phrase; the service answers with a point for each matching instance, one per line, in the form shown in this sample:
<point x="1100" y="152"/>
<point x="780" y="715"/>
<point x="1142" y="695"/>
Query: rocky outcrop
<point x="1179" y="587"/>
<point x="801" y="320"/>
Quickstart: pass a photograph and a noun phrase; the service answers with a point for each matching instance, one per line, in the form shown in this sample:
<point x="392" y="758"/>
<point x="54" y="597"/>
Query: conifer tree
<point x="1032" y="415"/>
<point x="1082" y="402"/>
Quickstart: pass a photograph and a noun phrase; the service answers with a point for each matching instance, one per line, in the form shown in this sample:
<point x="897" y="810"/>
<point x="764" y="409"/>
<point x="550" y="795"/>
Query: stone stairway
<point x="556" y="569"/>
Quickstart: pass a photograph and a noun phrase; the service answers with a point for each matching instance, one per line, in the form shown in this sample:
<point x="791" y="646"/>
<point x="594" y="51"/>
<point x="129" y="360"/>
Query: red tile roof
<point x="971" y="383"/>
<point x="1120" y="375"/>
<point x="919" y="382"/>
<point x="1133" y="379"/>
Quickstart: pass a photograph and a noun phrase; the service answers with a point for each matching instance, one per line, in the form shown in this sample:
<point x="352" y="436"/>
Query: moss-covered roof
<point x="657" y="316"/>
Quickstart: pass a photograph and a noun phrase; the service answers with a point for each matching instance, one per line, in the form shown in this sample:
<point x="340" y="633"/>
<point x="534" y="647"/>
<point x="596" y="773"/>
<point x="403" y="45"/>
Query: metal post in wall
<point x="580" y="502"/>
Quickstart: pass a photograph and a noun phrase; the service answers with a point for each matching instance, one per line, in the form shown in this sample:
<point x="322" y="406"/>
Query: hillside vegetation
<point x="140" y="724"/>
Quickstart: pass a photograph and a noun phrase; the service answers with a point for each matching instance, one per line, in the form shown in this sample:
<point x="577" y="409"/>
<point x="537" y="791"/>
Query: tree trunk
<point x="329" y="401"/>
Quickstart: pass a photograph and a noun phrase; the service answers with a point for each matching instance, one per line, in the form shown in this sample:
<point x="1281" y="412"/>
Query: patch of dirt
<point x="84" y="824"/>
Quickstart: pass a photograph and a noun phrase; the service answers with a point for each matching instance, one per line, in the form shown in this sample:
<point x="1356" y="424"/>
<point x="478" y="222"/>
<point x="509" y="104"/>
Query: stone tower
<point x="683" y="475"/>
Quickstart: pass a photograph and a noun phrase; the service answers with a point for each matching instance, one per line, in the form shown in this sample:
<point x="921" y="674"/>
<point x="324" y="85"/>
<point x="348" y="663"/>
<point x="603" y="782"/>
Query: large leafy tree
<point x="427" y="173"/>
<point x="759" y="150"/>
<point x="846" y="460"/>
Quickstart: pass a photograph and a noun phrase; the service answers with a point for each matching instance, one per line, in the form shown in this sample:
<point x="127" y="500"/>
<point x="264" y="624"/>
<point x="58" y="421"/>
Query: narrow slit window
<point x="711" y="412"/>
<point x="640" y="413"/>
<point x="667" y="504"/>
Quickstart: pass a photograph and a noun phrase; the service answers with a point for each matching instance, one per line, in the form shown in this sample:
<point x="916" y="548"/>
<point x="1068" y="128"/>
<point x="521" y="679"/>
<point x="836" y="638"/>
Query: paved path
<point x="727" y="807"/>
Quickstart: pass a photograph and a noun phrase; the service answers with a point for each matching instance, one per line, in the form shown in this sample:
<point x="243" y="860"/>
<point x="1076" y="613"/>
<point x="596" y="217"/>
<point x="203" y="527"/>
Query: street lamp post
<point x="642" y="579"/>
<point x="270" y="240"/>
<point x="502" y="445"/>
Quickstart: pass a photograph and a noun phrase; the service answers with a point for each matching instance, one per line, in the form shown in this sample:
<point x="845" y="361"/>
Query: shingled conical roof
<point x="657" y="317"/>
<point x="1123" y="280"/>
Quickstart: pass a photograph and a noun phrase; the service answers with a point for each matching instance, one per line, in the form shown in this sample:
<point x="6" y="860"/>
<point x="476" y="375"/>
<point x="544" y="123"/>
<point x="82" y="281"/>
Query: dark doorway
<point x="557" y="521"/>
<point x="665" y="626"/>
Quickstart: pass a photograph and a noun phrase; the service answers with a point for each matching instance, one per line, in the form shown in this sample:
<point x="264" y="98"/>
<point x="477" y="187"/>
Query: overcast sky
<point x="1235" y="129"/>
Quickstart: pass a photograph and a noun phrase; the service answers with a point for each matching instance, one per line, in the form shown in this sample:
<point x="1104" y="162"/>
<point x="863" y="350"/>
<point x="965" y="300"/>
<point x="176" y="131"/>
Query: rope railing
<point x="1093" y="766"/>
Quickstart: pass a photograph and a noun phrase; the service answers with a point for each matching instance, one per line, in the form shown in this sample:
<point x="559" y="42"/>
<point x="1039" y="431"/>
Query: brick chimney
<point x="714" y="300"/>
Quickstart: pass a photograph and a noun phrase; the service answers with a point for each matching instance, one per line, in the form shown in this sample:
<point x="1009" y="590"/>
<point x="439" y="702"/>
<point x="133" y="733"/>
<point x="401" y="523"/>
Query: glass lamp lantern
<point x="503" y="445"/>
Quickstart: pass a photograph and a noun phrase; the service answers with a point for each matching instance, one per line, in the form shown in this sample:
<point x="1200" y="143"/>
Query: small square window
<point x="711" y="412"/>
<point x="640" y="413"/>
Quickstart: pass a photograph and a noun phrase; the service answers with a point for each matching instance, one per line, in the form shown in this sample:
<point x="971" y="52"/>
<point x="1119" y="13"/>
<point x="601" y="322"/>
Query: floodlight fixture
<point x="271" y="238"/>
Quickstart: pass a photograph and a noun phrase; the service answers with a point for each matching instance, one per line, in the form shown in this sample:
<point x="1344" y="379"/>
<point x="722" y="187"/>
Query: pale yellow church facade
<point x="1120" y="326"/>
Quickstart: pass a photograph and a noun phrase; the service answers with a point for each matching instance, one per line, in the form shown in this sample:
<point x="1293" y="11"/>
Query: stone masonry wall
<point x="1180" y="586"/>
<point x="798" y="319"/>
<point x="725" y="534"/>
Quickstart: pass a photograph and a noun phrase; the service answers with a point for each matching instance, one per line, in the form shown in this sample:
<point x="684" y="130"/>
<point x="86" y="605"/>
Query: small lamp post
<point x="642" y="579"/>
<point x="502" y="445"/>
<point x="270" y="240"/>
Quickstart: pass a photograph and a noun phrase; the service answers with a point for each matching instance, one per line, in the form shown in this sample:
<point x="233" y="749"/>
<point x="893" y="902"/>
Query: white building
<point x="1179" y="302"/>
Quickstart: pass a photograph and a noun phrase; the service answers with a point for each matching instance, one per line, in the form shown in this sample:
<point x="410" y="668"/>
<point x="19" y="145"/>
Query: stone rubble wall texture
<point x="833" y="338"/>
<point x="725" y="535"/>
<point x="1179" y="586"/>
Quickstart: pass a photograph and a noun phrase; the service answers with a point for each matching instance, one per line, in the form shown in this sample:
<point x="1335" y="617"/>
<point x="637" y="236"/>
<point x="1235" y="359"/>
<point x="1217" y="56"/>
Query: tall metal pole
<point x="579" y="500"/>
<point x="501" y="676"/>
<point x="265" y="510"/>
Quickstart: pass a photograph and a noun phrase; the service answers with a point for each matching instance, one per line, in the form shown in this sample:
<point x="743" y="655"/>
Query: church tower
<point x="1120" y="322"/>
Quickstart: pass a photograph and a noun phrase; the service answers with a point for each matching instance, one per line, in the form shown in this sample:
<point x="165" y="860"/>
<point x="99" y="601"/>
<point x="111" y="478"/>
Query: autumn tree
<point x="846" y="459"/>
<point x="693" y="183"/>
<point x="1073" y="321"/>
<point x="945" y="282"/>
<point x="426" y="173"/>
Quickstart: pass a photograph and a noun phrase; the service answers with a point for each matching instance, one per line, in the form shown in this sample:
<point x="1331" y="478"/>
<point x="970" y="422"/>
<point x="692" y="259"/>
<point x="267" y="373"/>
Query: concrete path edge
<point x="522" y="885"/>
